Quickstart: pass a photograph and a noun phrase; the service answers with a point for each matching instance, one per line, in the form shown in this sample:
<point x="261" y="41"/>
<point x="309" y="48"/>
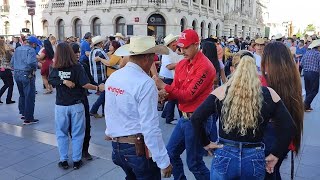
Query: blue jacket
<point x="24" y="59"/>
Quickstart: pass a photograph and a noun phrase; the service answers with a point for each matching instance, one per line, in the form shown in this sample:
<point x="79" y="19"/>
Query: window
<point x="182" y="24"/>
<point x="217" y="30"/>
<point x="202" y="2"/>
<point x="242" y="30"/>
<point x="209" y="30"/>
<point x="6" y="27"/>
<point x="77" y="28"/>
<point x="242" y="5"/>
<point x="194" y="25"/>
<point x="235" y="30"/>
<point x="121" y="25"/>
<point x="235" y="4"/>
<point x="218" y="4"/>
<point x="249" y="34"/>
<point x="202" y="29"/>
<point x="60" y="30"/>
<point x="45" y="25"/>
<point x="96" y="24"/>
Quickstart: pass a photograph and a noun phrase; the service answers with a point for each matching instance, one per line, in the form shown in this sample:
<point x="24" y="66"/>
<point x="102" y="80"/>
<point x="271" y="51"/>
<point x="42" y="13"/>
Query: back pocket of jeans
<point x="220" y="164"/>
<point x="259" y="167"/>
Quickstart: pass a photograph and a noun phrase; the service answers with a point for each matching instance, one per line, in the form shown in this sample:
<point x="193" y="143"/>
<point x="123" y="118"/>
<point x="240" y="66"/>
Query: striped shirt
<point x="311" y="61"/>
<point x="97" y="69"/>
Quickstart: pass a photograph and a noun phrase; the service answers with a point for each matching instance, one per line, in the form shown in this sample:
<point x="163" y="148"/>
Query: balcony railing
<point x="118" y="1"/>
<point x="158" y="1"/>
<point x="75" y="3"/>
<point x="94" y="2"/>
<point x="58" y="3"/>
<point x="4" y="9"/>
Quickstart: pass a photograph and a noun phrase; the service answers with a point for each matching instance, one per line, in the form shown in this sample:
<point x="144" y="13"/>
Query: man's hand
<point x="68" y="83"/>
<point x="160" y="84"/>
<point x="166" y="173"/>
<point x="101" y="87"/>
<point x="163" y="95"/>
<point x="211" y="147"/>
<point x="271" y="161"/>
<point x="97" y="59"/>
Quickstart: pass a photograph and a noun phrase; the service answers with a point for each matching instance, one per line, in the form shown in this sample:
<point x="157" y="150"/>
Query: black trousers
<point x="87" y="135"/>
<point x="311" y="82"/>
<point x="7" y="79"/>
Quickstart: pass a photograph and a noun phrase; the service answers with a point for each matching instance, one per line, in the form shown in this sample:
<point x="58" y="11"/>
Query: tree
<point x="310" y="27"/>
<point x="299" y="33"/>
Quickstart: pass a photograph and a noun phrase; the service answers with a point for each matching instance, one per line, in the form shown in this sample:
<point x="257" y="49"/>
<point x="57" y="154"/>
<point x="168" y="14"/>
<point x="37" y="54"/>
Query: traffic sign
<point x="30" y="3"/>
<point x="31" y="11"/>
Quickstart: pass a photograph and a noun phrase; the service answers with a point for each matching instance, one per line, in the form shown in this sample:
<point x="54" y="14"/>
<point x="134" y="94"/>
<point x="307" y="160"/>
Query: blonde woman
<point x="244" y="108"/>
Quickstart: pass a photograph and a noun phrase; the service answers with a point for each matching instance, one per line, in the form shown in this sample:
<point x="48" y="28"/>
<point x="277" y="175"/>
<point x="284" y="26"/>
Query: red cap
<point x="188" y="37"/>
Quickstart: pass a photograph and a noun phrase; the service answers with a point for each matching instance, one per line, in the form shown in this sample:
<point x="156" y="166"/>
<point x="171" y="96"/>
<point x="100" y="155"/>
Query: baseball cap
<point x="188" y="37"/>
<point x="33" y="39"/>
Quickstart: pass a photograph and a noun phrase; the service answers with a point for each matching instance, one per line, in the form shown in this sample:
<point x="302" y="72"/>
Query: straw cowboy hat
<point x="96" y="40"/>
<point x="278" y="36"/>
<point x="260" y="41"/>
<point x="119" y="35"/>
<point x="315" y="43"/>
<point x="169" y="39"/>
<point x="230" y="40"/>
<point x="141" y="45"/>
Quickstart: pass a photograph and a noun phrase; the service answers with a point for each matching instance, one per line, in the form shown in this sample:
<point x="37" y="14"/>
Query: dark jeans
<point x="183" y="138"/>
<point x="7" y="79"/>
<point x="27" y="91"/>
<point x="99" y="102"/>
<point x="168" y="111"/>
<point x="311" y="83"/>
<point x="268" y="139"/>
<point x="87" y="136"/>
<point x="135" y="167"/>
<point x="238" y="163"/>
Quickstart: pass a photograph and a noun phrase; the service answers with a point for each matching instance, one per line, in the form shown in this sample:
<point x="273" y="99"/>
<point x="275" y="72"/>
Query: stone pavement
<point x="30" y="152"/>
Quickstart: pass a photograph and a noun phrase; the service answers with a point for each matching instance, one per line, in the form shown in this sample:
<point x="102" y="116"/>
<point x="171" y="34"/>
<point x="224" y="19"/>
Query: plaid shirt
<point x="311" y="61"/>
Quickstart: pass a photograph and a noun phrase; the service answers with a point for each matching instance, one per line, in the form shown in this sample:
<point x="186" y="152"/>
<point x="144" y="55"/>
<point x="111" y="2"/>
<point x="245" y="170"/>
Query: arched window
<point x="45" y="25"/>
<point x="217" y="30"/>
<point x="235" y="30"/>
<point x="218" y="5"/>
<point x="121" y="25"/>
<point x="209" y="29"/>
<point x="6" y="27"/>
<point x="96" y="24"/>
<point x="60" y="30"/>
<point x="28" y="24"/>
<point x="77" y="28"/>
<point x="202" y="29"/>
<point x="182" y="24"/>
<point x="194" y="25"/>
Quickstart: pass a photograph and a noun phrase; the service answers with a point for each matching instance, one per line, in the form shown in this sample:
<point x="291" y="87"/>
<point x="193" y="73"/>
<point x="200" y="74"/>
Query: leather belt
<point x="124" y="139"/>
<point x="242" y="145"/>
<point x="187" y="115"/>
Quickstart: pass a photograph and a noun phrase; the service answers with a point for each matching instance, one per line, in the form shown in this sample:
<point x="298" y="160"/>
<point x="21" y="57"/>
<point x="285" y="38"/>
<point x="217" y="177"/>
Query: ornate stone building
<point x="64" y="18"/>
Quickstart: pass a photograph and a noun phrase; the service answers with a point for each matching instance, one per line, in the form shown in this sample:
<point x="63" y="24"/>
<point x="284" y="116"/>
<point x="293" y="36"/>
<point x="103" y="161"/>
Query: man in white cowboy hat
<point x="132" y="119"/>
<point x="277" y="37"/>
<point x="97" y="69"/>
<point x="229" y="52"/>
<point x="192" y="84"/>
<point x="168" y="64"/>
<point x="120" y="38"/>
<point x="310" y="63"/>
<point x="258" y="46"/>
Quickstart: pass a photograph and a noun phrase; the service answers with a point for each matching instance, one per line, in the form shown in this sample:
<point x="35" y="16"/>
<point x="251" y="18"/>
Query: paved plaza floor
<point x="30" y="152"/>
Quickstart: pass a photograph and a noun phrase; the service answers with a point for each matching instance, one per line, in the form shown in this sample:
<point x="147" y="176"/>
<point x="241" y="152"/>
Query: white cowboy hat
<point x="141" y="45"/>
<point x="314" y="44"/>
<point x="119" y="35"/>
<point x="169" y="39"/>
<point x="230" y="40"/>
<point x="277" y="36"/>
<point x="96" y="40"/>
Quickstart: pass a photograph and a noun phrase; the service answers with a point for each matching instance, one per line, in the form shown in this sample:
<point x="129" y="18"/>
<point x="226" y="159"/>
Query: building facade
<point x="64" y="18"/>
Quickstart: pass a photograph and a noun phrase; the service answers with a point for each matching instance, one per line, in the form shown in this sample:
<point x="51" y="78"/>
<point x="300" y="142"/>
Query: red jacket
<point x="192" y="83"/>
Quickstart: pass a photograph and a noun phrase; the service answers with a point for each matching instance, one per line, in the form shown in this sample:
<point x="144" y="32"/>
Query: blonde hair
<point x="242" y="104"/>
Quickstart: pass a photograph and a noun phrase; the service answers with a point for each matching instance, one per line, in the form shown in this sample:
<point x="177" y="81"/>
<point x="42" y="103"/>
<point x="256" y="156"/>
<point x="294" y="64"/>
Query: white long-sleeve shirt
<point x="131" y="108"/>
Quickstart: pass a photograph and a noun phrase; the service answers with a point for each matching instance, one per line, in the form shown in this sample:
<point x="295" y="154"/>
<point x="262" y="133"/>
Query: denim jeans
<point x="211" y="128"/>
<point x="135" y="167"/>
<point x="183" y="138"/>
<point x="311" y="82"/>
<point x="27" y="92"/>
<point x="168" y="111"/>
<point x="100" y="101"/>
<point x="70" y="116"/>
<point x="7" y="79"/>
<point x="238" y="163"/>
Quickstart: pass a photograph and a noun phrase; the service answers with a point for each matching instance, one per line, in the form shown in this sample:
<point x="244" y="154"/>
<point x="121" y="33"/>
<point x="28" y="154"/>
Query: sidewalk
<point x="30" y="152"/>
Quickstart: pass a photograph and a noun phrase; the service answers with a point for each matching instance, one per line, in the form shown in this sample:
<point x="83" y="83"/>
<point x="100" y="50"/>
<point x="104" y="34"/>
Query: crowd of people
<point x="233" y="99"/>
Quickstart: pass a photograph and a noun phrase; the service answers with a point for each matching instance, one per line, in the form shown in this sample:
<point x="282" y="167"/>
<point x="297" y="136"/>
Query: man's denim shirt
<point x="24" y="59"/>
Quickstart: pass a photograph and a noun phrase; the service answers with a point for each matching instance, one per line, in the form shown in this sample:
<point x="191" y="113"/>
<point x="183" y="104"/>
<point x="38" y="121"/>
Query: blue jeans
<point x="66" y="116"/>
<point x="311" y="82"/>
<point x="183" y="138"/>
<point x="168" y="111"/>
<point x="211" y="128"/>
<point x="99" y="102"/>
<point x="238" y="163"/>
<point x="135" y="167"/>
<point x="27" y="92"/>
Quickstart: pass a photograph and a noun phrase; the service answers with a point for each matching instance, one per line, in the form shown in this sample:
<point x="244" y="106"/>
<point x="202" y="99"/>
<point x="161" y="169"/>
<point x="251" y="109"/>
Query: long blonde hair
<point x="242" y="104"/>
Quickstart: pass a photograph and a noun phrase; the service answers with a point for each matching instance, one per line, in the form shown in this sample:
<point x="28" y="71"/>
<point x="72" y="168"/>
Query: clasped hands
<point x="162" y="93"/>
